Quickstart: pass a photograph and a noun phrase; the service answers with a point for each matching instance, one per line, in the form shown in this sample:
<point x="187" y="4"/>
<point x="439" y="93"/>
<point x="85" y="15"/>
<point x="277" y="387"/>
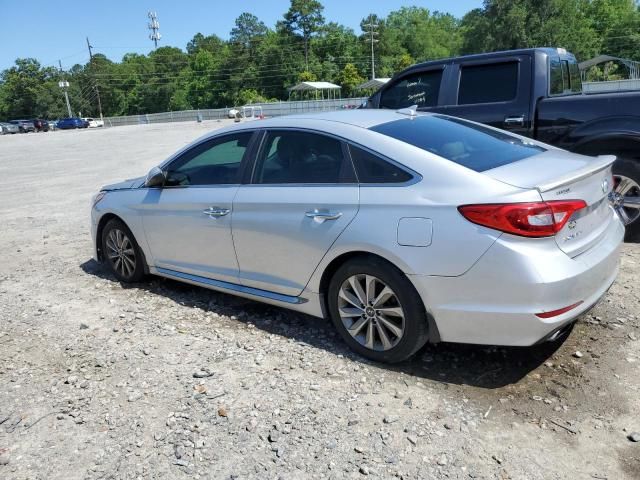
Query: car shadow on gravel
<point x="487" y="367"/>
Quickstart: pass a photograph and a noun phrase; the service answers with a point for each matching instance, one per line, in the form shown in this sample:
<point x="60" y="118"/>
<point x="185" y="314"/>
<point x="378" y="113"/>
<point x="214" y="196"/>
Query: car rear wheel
<point x="121" y="252"/>
<point x="376" y="310"/>
<point x="626" y="198"/>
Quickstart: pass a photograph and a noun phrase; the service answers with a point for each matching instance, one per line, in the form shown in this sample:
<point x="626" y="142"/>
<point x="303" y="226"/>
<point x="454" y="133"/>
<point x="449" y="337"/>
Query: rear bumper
<point x="495" y="302"/>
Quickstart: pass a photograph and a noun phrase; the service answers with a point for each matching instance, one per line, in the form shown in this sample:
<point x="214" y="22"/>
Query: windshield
<point x="473" y="146"/>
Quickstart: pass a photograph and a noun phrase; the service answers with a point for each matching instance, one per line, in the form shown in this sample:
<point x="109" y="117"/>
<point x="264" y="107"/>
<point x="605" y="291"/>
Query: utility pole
<point x="372" y="27"/>
<point x="154" y="26"/>
<point x="95" y="86"/>
<point x="64" y="85"/>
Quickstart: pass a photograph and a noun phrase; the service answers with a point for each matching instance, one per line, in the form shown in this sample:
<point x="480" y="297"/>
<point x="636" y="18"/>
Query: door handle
<point x="216" y="212"/>
<point x="322" y="216"/>
<point x="514" y="121"/>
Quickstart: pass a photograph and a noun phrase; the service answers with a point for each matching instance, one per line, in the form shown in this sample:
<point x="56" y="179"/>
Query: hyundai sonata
<point x="402" y="228"/>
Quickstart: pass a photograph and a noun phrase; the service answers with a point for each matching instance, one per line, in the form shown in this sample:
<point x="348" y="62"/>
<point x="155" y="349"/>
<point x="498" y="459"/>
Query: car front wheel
<point x="121" y="252"/>
<point x="376" y="310"/>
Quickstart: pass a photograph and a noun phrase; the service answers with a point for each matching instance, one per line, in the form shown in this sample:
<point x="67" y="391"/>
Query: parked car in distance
<point x="402" y="227"/>
<point x="94" y="122"/>
<point x="7" y="128"/>
<point x="40" y="125"/>
<point x="53" y="124"/>
<point x="25" y="126"/>
<point x="70" y="123"/>
<point x="536" y="93"/>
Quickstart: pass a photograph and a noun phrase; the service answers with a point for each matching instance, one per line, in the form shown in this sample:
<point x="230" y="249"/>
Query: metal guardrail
<point x="268" y="110"/>
<point x="610" y="86"/>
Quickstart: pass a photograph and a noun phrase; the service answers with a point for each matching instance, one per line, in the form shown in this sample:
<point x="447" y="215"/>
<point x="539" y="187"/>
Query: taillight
<point x="534" y="219"/>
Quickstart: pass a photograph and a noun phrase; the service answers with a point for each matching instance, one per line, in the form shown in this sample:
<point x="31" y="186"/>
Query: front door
<point x="302" y="196"/>
<point x="188" y="222"/>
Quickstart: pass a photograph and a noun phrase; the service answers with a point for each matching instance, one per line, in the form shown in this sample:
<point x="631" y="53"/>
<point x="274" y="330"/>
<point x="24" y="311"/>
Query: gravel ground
<point x="163" y="380"/>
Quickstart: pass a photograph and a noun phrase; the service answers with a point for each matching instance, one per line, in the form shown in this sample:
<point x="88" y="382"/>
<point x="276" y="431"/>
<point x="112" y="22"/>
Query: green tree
<point x="350" y="78"/>
<point x="305" y="18"/>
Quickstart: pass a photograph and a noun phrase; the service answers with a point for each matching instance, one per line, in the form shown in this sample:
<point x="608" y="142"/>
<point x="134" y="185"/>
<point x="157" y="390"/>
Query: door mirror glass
<point x="155" y="178"/>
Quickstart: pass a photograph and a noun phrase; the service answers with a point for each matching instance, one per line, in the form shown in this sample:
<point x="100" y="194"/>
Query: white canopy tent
<point x="373" y="84"/>
<point x="319" y="90"/>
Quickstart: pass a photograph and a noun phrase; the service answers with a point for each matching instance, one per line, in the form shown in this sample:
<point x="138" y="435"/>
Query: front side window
<point x="491" y="83"/>
<point x="373" y="169"/>
<point x="473" y="146"/>
<point x="421" y="89"/>
<point x="302" y="157"/>
<point x="215" y="162"/>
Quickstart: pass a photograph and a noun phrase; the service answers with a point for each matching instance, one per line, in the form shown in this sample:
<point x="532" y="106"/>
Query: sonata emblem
<point x="605" y="186"/>
<point x="572" y="224"/>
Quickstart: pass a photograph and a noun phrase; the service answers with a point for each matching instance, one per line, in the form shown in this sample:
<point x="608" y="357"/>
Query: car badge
<point x="572" y="224"/>
<point x="605" y="186"/>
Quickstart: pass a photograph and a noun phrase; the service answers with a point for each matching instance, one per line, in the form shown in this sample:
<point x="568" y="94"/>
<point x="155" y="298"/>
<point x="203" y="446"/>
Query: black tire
<point x="630" y="169"/>
<point x="127" y="252"/>
<point x="415" y="333"/>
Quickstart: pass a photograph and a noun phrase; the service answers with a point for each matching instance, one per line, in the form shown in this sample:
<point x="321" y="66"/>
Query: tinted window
<point x="210" y="163"/>
<point x="420" y="89"/>
<point x="575" y="82"/>
<point x="373" y="169"/>
<point x="556" y="80"/>
<point x="497" y="82"/>
<point x="302" y="157"/>
<point x="473" y="146"/>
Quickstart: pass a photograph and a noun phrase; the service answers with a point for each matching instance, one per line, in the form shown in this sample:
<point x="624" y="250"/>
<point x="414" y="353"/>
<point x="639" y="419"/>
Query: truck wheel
<point x="626" y="175"/>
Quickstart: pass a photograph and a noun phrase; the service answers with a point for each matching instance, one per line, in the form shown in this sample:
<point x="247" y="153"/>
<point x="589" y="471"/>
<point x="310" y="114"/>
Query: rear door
<point x="302" y="196"/>
<point x="496" y="92"/>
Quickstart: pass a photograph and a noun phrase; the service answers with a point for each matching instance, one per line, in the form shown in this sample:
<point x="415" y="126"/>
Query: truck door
<point x="424" y="88"/>
<point x="496" y="92"/>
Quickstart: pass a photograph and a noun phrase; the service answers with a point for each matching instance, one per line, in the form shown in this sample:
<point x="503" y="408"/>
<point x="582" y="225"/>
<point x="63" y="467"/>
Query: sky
<point x="52" y="30"/>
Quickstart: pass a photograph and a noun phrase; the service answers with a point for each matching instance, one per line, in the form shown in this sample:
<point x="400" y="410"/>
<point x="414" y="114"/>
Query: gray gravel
<point x="163" y="380"/>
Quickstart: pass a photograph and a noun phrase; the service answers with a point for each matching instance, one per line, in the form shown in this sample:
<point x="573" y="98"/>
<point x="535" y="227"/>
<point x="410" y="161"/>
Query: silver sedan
<point x="402" y="228"/>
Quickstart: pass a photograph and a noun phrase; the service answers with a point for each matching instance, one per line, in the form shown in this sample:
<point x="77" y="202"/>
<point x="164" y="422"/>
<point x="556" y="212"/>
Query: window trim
<point x="246" y="158"/>
<point x="480" y="63"/>
<point x="442" y="68"/>
<point x="258" y="153"/>
<point x="415" y="176"/>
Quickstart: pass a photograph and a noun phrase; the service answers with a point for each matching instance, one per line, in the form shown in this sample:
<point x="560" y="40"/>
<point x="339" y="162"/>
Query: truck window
<point x="575" y="82"/>
<point x="421" y="89"/>
<point x="556" y="81"/>
<point x="564" y="77"/>
<point x="496" y="82"/>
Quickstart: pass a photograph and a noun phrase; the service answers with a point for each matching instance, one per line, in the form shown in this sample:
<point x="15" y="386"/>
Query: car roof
<point x="364" y="118"/>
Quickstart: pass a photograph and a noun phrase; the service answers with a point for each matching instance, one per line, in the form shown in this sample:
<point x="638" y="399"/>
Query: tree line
<point x="259" y="63"/>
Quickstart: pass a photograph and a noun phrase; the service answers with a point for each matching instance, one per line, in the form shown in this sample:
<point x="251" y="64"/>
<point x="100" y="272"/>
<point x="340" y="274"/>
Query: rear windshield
<point x="467" y="144"/>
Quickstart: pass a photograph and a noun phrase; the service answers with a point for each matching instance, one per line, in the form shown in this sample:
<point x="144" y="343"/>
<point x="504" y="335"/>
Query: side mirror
<point x="155" y="178"/>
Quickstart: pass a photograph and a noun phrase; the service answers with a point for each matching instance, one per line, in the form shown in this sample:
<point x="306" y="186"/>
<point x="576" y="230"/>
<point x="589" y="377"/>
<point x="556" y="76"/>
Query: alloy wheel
<point x="626" y="198"/>
<point x="371" y="312"/>
<point x="121" y="253"/>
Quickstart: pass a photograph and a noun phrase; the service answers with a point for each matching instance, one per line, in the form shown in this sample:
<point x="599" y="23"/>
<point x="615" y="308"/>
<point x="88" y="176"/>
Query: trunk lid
<point x="560" y="175"/>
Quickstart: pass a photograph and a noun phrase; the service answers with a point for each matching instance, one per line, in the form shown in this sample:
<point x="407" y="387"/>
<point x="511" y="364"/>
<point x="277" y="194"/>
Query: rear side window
<point x="564" y="77"/>
<point x="473" y="146"/>
<point x="497" y="82"/>
<point x="291" y="156"/>
<point x="420" y="89"/>
<point x="373" y="169"/>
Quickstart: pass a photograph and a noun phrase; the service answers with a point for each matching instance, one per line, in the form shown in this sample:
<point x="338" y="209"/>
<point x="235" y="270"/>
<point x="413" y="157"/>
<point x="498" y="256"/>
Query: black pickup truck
<point x="533" y="92"/>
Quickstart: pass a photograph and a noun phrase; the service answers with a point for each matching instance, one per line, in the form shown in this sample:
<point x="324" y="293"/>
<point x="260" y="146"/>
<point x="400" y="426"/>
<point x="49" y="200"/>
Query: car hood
<point x="125" y="185"/>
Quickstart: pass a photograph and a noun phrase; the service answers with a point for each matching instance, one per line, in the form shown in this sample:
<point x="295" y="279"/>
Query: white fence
<point x="268" y="110"/>
<point x="610" y="86"/>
